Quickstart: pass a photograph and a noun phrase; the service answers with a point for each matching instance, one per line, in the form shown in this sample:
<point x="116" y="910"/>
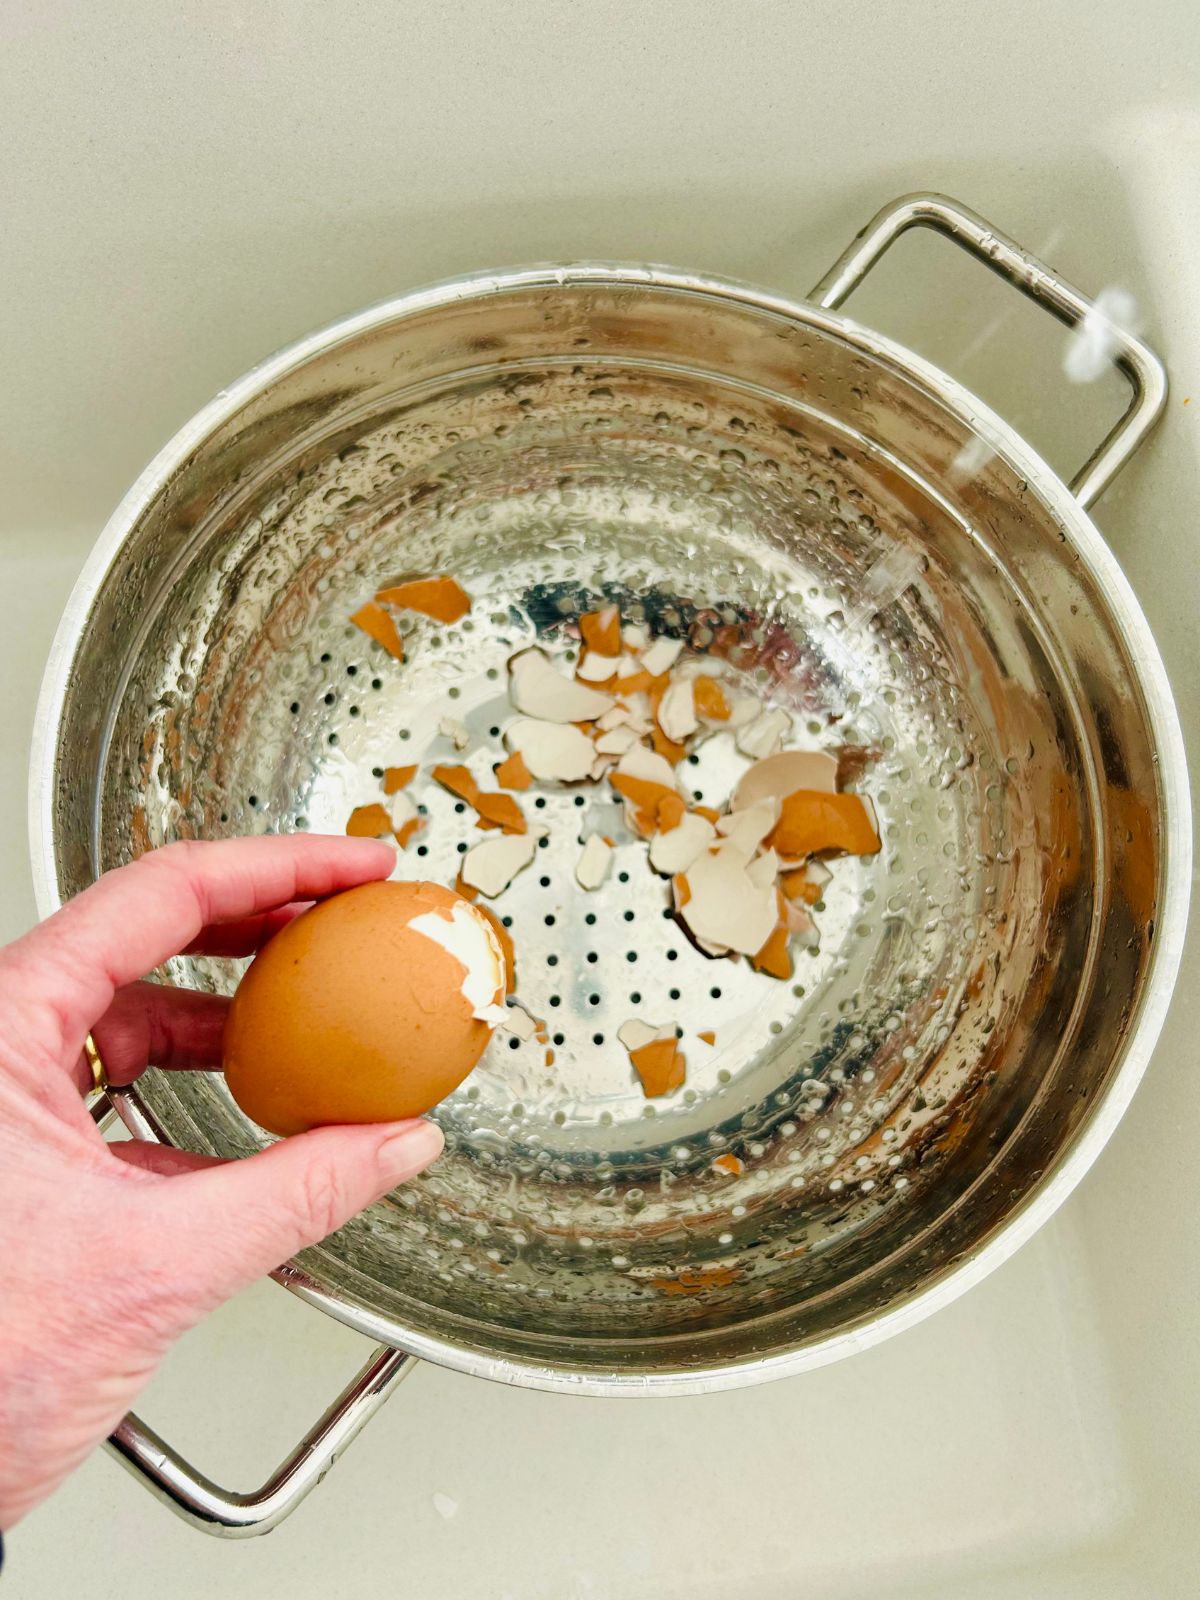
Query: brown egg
<point x="372" y="1006"/>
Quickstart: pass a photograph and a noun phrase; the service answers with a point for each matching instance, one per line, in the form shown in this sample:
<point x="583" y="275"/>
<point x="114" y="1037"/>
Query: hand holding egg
<point x="370" y="1007"/>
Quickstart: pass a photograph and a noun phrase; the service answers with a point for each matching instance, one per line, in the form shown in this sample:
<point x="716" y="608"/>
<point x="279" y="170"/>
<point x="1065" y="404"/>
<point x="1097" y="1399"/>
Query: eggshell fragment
<point x="551" y="750"/>
<point x="369" y="822"/>
<point x="634" y="636"/>
<point x="708" y="1037"/>
<point x="459" y="781"/>
<point x="406" y="820"/>
<point x="635" y="1033"/>
<point x="810" y="822"/>
<point x="350" y="1015"/>
<point x="500" y="811"/>
<point x="817" y="873"/>
<point x="774" y="957"/>
<point x="677" y="711"/>
<point x="675" y="851"/>
<point x="796" y="918"/>
<point x="601" y="630"/>
<point x="492" y="865"/>
<point x="732" y="1166"/>
<point x="661" y="656"/>
<point x="443" y="598"/>
<point x="805" y="884"/>
<point x="616" y="741"/>
<point x="539" y="691"/>
<point x="450" y="728"/>
<point x="763" y="870"/>
<point x="495" y="810"/>
<point x="661" y="1065"/>
<point x="744" y="831"/>
<point x="376" y="622"/>
<point x="743" y="708"/>
<point x="518" y="1022"/>
<point x="612" y="719"/>
<point x="764" y="736"/>
<point x="596" y="668"/>
<point x="671" y="811"/>
<point x="512" y="773"/>
<point x="780" y="775"/>
<point x="646" y="800"/>
<point x="710" y="700"/>
<point x="674" y="753"/>
<point x="397" y="778"/>
<point x="725" y="908"/>
<point x="642" y="763"/>
<point x="594" y="862"/>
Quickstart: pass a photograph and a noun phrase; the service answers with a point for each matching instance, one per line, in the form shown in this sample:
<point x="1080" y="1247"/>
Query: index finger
<point x="133" y="918"/>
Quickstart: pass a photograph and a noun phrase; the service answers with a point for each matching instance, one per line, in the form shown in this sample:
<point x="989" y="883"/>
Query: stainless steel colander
<point x="733" y="468"/>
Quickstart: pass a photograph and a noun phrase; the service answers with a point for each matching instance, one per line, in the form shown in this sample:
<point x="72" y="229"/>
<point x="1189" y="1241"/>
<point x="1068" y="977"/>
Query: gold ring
<point x="92" y="1057"/>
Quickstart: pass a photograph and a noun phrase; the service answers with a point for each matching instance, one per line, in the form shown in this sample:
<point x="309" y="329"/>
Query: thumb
<point x="246" y="1217"/>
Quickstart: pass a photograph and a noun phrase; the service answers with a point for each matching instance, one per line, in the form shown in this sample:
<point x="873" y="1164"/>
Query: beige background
<point x="186" y="188"/>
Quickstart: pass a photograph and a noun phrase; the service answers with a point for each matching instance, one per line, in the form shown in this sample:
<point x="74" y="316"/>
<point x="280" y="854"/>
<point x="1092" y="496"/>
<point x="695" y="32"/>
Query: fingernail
<point x="411" y="1149"/>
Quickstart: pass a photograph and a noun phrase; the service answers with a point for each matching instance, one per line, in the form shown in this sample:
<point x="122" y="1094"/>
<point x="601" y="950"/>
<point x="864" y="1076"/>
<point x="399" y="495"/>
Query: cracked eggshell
<point x="616" y="741"/>
<point x="612" y="719"/>
<point x="777" y="776"/>
<point x="537" y="689"/>
<point x="744" y="831"/>
<point x="634" y="636"/>
<point x="372" y="821"/>
<point x="711" y="701"/>
<point x="601" y="630"/>
<point x="817" y="873"/>
<point x="763" y="870"/>
<point x="594" y="862"/>
<point x="519" y="1022"/>
<point x="450" y="728"/>
<point x="493" y="864"/>
<point x="404" y="814"/>
<point x="676" y="850"/>
<point x="677" y="711"/>
<point x="595" y="668"/>
<point x="743" y="708"/>
<point x="658" y="1061"/>
<point x="471" y="939"/>
<point x="634" y="1034"/>
<point x="661" y="656"/>
<point x="552" y="750"/>
<point x="638" y="762"/>
<point x="725" y="907"/>
<point x="764" y="736"/>
<point x="351" y="1015"/>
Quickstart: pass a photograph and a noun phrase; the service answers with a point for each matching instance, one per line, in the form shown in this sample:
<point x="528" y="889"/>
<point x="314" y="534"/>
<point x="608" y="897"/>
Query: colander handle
<point x="1145" y="372"/>
<point x="189" y="1493"/>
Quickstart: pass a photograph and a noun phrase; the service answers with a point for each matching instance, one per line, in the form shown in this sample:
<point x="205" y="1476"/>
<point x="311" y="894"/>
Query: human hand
<point x="110" y="1252"/>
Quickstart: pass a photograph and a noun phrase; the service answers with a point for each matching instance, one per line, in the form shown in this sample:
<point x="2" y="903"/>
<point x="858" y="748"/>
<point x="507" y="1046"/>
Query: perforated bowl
<point x="985" y="992"/>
